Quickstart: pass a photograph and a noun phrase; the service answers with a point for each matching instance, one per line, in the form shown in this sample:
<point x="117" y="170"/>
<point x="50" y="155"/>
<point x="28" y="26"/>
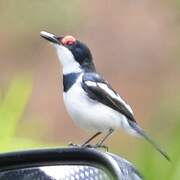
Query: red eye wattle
<point x="68" y="40"/>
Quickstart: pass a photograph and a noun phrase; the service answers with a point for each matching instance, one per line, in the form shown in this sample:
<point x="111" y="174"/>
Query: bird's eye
<point x="68" y="40"/>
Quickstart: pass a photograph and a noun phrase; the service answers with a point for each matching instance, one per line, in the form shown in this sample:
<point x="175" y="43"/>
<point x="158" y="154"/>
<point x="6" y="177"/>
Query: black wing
<point x="98" y="89"/>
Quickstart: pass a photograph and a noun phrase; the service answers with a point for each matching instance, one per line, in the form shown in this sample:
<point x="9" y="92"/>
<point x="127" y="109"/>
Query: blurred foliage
<point x="150" y="163"/>
<point x="12" y="107"/>
<point x="26" y="16"/>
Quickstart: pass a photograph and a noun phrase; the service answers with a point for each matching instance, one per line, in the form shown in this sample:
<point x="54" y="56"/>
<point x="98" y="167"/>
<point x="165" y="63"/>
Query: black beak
<point x="50" y="37"/>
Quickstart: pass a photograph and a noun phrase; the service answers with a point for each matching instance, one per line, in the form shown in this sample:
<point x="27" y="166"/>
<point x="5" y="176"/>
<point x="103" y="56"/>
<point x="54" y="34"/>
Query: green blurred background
<point x="138" y="41"/>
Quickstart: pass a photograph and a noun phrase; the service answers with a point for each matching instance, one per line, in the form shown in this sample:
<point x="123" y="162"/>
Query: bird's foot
<point x="96" y="146"/>
<point x="87" y="146"/>
<point x="73" y="145"/>
<point x="102" y="146"/>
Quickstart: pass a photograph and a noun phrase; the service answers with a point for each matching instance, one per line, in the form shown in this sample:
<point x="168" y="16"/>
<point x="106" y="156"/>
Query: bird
<point x="90" y="100"/>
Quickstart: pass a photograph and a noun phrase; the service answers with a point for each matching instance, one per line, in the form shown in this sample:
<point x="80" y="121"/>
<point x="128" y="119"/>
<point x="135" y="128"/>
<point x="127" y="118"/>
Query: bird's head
<point x="74" y="55"/>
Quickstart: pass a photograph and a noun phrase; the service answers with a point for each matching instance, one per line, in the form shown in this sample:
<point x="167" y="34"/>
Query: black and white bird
<point x="89" y="99"/>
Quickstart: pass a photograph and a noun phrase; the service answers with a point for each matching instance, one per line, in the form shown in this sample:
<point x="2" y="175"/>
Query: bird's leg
<point x="100" y="143"/>
<point x="85" y="144"/>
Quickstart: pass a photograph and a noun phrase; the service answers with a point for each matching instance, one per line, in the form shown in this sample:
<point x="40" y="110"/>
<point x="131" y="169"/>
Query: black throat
<point x="69" y="80"/>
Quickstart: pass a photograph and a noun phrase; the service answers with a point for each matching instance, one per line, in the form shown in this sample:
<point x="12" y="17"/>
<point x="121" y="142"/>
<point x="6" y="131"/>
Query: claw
<point x="87" y="146"/>
<point x="73" y="145"/>
<point x="102" y="146"/>
<point x="95" y="146"/>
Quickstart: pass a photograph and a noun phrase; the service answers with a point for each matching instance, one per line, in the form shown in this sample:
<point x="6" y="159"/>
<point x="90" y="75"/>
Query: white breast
<point x="90" y="114"/>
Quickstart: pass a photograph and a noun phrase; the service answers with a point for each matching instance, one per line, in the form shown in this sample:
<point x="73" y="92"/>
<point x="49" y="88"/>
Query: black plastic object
<point x="25" y="164"/>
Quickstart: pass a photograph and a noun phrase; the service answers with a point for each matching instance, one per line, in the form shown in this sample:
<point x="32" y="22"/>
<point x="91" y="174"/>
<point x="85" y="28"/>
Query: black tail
<point x="141" y="132"/>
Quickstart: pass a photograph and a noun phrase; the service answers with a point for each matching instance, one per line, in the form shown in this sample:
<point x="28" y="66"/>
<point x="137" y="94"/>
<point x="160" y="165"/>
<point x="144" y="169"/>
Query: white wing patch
<point x="114" y="95"/>
<point x="107" y="90"/>
<point x="91" y="83"/>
